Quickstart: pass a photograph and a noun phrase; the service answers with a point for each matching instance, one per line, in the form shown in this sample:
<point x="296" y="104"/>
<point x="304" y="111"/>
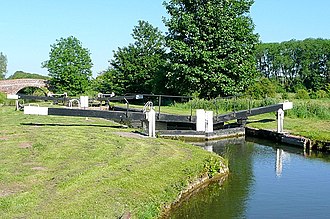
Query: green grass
<point x="70" y="167"/>
<point x="314" y="128"/>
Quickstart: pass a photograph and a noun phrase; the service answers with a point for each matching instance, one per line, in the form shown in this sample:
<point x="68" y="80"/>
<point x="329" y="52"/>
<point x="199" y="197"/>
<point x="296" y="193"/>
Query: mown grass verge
<point x="70" y="167"/>
<point x="313" y="128"/>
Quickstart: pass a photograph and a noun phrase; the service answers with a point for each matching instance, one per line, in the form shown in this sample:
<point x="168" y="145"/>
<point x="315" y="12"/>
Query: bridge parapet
<point x="15" y="85"/>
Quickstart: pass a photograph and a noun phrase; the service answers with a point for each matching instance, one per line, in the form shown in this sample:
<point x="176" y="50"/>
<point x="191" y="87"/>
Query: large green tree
<point x="211" y="46"/>
<point x="69" y="66"/>
<point x="139" y="67"/>
<point x="3" y="66"/>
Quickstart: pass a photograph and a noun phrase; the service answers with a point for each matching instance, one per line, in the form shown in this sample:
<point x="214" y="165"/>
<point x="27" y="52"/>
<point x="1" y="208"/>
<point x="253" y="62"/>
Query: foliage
<point x="296" y="64"/>
<point x="138" y="67"/>
<point x="4" y="101"/>
<point x="320" y="94"/>
<point x="327" y="88"/>
<point x="302" y="94"/>
<point x="3" y="98"/>
<point x="261" y="89"/>
<point x="3" y="66"/>
<point x="211" y="46"/>
<point x="22" y="74"/>
<point x="69" y="66"/>
<point x="106" y="83"/>
<point x="212" y="166"/>
<point x="285" y="95"/>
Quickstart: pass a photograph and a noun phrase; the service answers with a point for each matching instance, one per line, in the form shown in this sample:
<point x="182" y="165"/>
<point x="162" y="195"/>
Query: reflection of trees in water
<point x="318" y="155"/>
<point x="228" y="200"/>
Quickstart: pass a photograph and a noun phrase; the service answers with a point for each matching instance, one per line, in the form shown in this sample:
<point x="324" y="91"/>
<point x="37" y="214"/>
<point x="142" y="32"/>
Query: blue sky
<point x="29" y="27"/>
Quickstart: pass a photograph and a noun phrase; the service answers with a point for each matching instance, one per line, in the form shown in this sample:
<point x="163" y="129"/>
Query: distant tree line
<point x="296" y="64"/>
<point x="22" y="74"/>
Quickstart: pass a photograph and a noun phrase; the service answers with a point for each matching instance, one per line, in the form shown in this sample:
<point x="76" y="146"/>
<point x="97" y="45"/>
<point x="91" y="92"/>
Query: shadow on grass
<point x="261" y="121"/>
<point x="74" y="125"/>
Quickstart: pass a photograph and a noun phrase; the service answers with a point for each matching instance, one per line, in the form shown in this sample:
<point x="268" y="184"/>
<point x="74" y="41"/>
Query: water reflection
<point x="279" y="162"/>
<point x="231" y="198"/>
<point x="297" y="188"/>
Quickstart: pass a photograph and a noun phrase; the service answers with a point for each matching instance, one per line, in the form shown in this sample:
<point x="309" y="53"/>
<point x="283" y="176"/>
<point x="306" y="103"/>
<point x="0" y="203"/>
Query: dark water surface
<point x="266" y="181"/>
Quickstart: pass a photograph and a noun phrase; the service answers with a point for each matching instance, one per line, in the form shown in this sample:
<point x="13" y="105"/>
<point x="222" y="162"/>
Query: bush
<point x="298" y="86"/>
<point x="5" y="101"/>
<point x="320" y="94"/>
<point x="302" y="94"/>
<point x="262" y="89"/>
<point x="3" y="98"/>
<point x="285" y="96"/>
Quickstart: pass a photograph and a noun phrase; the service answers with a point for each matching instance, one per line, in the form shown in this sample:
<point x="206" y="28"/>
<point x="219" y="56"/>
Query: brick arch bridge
<point x="15" y="85"/>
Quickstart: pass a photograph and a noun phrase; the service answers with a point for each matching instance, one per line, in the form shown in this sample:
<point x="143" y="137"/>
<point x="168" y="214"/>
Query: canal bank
<point x="266" y="180"/>
<point x="72" y="167"/>
<point x="286" y="138"/>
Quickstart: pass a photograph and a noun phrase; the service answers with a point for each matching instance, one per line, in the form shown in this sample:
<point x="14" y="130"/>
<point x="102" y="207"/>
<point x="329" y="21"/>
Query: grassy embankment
<point x="308" y="118"/>
<point x="65" y="167"/>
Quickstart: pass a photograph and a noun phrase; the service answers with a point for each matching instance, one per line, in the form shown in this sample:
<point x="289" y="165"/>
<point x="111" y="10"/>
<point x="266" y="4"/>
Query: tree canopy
<point x="211" y="46"/>
<point x="3" y="66"/>
<point x="296" y="64"/>
<point x="138" y="67"/>
<point x="69" y="66"/>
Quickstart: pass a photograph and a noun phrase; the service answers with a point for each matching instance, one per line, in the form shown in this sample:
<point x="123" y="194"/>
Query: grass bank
<point x="70" y="167"/>
<point x="313" y="128"/>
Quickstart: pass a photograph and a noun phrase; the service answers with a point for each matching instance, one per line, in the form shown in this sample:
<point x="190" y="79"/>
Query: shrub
<point x="5" y="101"/>
<point x="285" y="96"/>
<point x="302" y="94"/>
<point x="298" y="86"/>
<point x="321" y="94"/>
<point x="3" y="98"/>
<point x="262" y="89"/>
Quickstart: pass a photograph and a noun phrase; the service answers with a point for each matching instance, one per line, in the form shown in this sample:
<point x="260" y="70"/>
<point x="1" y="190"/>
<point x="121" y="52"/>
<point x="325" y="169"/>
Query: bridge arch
<point x="15" y="85"/>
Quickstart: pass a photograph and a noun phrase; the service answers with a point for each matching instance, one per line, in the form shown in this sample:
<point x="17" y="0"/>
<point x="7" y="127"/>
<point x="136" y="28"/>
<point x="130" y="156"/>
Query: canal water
<point x="266" y="181"/>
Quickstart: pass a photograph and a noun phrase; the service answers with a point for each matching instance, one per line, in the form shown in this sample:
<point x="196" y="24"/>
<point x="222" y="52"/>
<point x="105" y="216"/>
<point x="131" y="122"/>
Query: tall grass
<point x="310" y="109"/>
<point x="225" y="105"/>
<point x="301" y="108"/>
